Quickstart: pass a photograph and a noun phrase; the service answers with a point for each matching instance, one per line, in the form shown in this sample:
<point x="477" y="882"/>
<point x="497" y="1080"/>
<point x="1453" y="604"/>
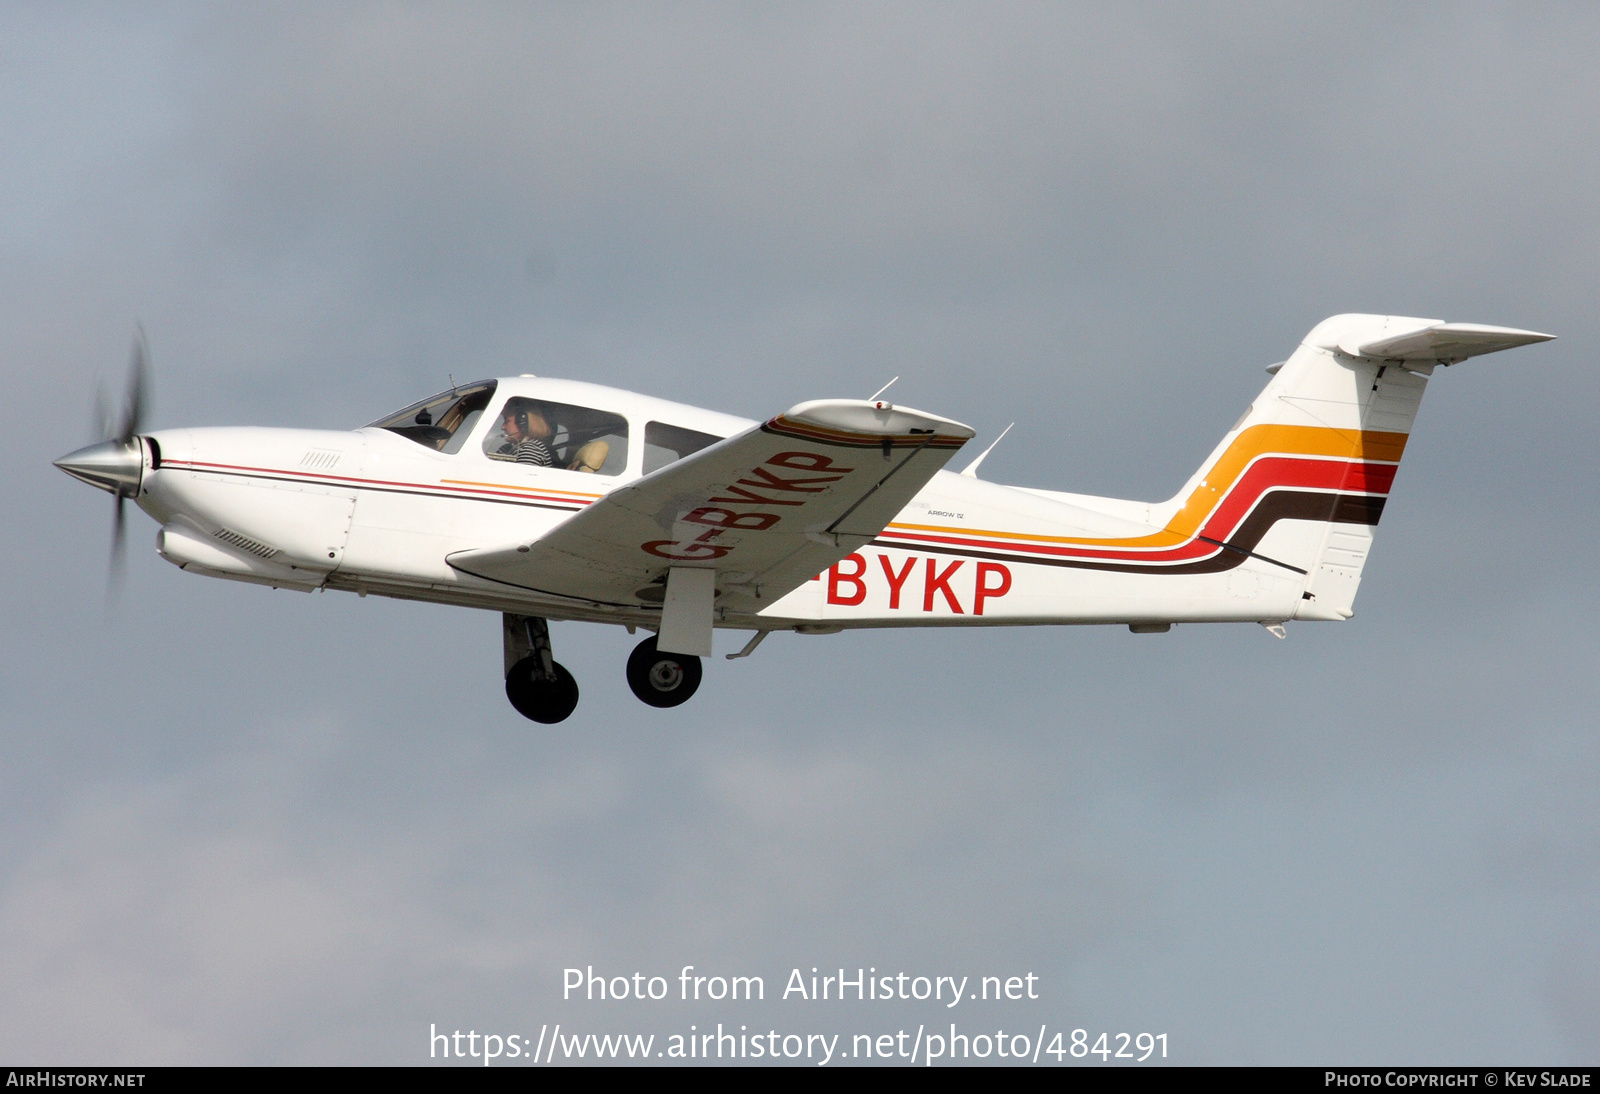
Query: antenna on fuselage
<point x="971" y="470"/>
<point x="882" y="389"/>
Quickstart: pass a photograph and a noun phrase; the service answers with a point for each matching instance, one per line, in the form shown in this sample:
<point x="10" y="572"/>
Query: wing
<point x="765" y="510"/>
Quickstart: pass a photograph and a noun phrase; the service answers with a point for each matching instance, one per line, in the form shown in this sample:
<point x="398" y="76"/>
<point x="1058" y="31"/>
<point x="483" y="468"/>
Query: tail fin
<point x="1301" y="479"/>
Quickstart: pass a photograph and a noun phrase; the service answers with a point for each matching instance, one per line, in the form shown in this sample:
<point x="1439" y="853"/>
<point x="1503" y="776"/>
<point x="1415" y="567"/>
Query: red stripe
<point x="195" y="464"/>
<point x="1271" y="471"/>
<point x="1264" y="475"/>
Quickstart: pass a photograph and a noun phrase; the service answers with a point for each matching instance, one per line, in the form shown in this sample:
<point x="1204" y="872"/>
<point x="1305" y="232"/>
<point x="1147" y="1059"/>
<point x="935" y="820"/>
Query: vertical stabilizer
<point x="1301" y="480"/>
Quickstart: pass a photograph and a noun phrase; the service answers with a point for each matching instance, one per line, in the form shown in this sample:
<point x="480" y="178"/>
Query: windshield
<point x="443" y="421"/>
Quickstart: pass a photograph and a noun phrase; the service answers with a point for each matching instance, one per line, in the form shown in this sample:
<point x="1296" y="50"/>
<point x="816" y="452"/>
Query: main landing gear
<point x="543" y="690"/>
<point x="662" y="679"/>
<point x="539" y="687"/>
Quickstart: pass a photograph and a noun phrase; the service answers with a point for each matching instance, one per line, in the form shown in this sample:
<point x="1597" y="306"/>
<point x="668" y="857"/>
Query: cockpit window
<point x="572" y="438"/>
<point x="444" y="421"/>
<point x="664" y="444"/>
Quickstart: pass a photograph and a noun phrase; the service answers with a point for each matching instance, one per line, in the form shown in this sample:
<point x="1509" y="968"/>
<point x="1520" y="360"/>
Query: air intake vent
<point x="320" y="459"/>
<point x="244" y="543"/>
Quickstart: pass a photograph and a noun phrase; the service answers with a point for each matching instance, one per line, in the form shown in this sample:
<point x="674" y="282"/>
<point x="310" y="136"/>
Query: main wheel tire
<point x="546" y="701"/>
<point x="662" y="679"/>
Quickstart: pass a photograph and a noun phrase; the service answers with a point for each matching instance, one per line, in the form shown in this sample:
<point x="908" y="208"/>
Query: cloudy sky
<point x="243" y="826"/>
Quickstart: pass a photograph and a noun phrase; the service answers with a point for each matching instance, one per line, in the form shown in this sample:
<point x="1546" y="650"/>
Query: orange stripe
<point x="1258" y="440"/>
<point x="1291" y="440"/>
<point x="525" y="489"/>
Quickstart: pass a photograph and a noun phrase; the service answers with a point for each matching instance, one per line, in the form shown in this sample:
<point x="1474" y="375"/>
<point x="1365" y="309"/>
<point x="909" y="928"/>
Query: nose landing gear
<point x="538" y="687"/>
<point x="548" y="700"/>
<point x="662" y="679"/>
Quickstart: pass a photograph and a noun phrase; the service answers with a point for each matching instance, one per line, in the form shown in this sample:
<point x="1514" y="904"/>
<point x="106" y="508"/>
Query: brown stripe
<point x="1276" y="505"/>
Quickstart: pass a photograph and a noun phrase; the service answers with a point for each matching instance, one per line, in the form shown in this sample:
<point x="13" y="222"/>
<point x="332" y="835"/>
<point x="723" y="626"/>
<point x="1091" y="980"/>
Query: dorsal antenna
<point x="882" y="389"/>
<point x="971" y="471"/>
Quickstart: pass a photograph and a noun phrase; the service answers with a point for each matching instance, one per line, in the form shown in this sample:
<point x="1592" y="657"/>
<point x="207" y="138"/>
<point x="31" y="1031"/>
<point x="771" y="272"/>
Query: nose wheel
<point x="540" y="688"/>
<point x="662" y="679"/>
<point x="547" y="700"/>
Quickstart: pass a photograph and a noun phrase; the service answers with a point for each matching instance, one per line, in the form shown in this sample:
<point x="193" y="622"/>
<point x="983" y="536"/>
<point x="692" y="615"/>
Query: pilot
<point x="527" y="435"/>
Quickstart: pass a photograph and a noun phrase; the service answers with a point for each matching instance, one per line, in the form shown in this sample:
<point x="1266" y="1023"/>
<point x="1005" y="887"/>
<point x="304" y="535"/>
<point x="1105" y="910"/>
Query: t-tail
<point x="1301" y="481"/>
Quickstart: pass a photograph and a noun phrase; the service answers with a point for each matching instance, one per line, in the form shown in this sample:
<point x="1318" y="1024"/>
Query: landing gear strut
<point x="662" y="679"/>
<point x="537" y="686"/>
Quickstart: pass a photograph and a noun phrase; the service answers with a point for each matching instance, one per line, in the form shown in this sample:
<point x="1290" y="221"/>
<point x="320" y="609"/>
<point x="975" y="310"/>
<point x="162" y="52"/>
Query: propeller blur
<point x="116" y="463"/>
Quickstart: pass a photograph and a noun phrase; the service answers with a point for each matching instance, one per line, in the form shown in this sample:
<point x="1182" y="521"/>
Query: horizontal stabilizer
<point x="1447" y="342"/>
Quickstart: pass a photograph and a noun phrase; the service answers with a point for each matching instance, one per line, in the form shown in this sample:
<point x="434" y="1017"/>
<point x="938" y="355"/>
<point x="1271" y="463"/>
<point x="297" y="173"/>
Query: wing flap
<point x="767" y="510"/>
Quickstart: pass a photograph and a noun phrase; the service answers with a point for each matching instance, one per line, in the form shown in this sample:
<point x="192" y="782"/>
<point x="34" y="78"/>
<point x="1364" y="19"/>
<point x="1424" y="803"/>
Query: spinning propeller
<point x="116" y="463"/>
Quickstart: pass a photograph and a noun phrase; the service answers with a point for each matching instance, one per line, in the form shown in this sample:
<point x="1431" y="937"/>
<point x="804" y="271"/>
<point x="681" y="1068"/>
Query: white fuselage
<point x="374" y="512"/>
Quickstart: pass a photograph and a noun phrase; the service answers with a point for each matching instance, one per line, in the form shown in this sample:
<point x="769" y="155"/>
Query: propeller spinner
<point x="116" y="463"/>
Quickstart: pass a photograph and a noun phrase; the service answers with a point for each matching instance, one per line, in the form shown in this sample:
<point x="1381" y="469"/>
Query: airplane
<point x="550" y="499"/>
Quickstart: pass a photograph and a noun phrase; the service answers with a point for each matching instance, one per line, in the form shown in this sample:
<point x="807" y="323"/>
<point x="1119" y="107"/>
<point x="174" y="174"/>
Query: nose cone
<point x="110" y="465"/>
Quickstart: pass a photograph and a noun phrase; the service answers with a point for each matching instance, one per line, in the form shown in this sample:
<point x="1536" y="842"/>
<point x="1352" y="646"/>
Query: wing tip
<point x="873" y="420"/>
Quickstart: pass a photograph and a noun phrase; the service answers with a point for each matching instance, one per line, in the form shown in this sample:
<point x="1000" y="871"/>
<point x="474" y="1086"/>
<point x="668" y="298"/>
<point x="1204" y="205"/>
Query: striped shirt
<point x="530" y="450"/>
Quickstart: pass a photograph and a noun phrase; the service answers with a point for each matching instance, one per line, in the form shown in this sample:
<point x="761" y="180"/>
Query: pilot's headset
<point x="521" y="414"/>
<point x="518" y="414"/>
